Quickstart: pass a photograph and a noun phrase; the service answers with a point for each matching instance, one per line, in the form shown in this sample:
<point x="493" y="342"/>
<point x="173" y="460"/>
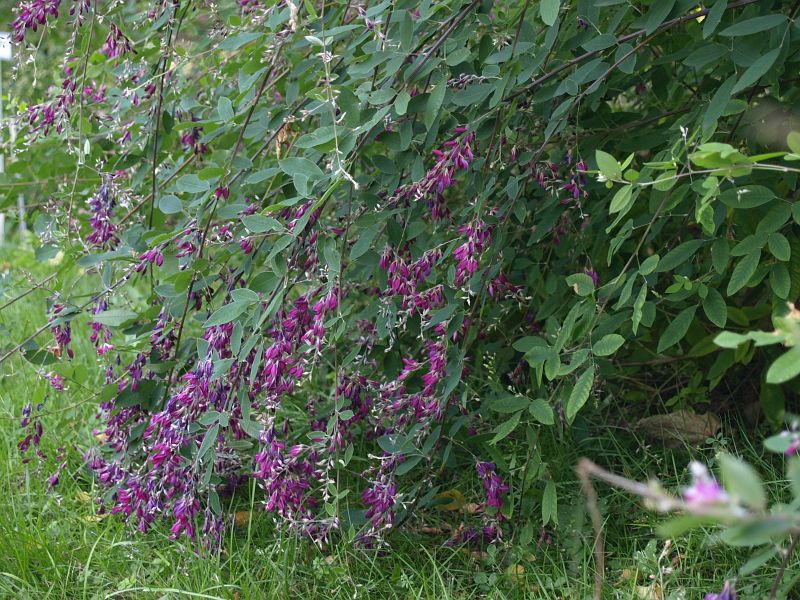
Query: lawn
<point x="54" y="542"/>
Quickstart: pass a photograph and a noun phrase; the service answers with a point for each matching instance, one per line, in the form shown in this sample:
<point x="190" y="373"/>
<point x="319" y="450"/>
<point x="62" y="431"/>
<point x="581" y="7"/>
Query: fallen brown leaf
<point x="680" y="428"/>
<point x="473" y="508"/>
<point x="649" y="592"/>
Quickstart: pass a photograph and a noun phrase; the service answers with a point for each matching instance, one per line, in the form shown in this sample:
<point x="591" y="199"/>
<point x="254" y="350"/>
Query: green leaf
<point x="401" y="103"/>
<point x="777" y="216"/>
<point x="676" y="329"/>
<point x="705" y="54"/>
<point x="542" y="411"/>
<point x="549" y="503"/>
<point x="209" y="439"/>
<point x="509" y="404"/>
<point x="434" y="104"/>
<point x="743" y="271"/>
<point x="793" y="474"/>
<point x="757" y="533"/>
<point x="192" y="184"/>
<point x="364" y="241"/>
<point x="580" y="393"/>
<point x="649" y="264"/>
<point x="638" y="309"/>
<point x="608" y="344"/>
<point x="720" y="254"/>
<point x="754" y="25"/>
<point x="719" y="101"/>
<point x="780" y="281"/>
<point x="714" y="17"/>
<point x="505" y="428"/>
<point x="225" y="109"/>
<point x="746" y="197"/>
<point x="678" y="526"/>
<point x="237" y="41"/>
<point x="548" y="10"/>
<point x="297" y="165"/>
<point x="261" y="223"/>
<point x="524" y="344"/>
<point x="608" y="165"/>
<point x="657" y="14"/>
<point x="779" y="246"/>
<point x="226" y="313"/>
<point x="679" y="255"/>
<point x="332" y="257"/>
<point x="729" y="339"/>
<point x="758" y="560"/>
<point x="793" y="141"/>
<point x="742" y="482"/>
<point x="114" y="317"/>
<point x="621" y="199"/>
<point x="169" y="204"/>
<point x="773" y="403"/>
<point x="626" y="65"/>
<point x="715" y="308"/>
<point x="786" y="367"/>
<point x="600" y="42"/>
<point x="581" y="283"/>
<point x="755" y="71"/>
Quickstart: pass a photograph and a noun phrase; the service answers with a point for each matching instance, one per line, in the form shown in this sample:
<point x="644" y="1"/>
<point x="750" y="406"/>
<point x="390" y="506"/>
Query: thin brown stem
<point x="773" y="592"/>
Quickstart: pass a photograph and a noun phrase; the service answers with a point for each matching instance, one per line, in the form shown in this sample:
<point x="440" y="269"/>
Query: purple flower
<point x="191" y="139"/>
<point x="728" y="592"/>
<point x="102" y="207"/>
<point x="100" y="333"/>
<point x="467" y="254"/>
<point x="381" y="496"/>
<point x="404" y="279"/>
<point x="56" y="381"/>
<point x="116" y="44"/>
<point x="492" y="483"/>
<point x="62" y="332"/>
<point x="456" y="154"/>
<point x="31" y="15"/>
<point x="704" y="489"/>
<point x="151" y="257"/>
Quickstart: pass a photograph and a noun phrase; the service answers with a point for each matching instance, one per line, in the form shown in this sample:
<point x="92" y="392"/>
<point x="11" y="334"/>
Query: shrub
<point x="349" y="251"/>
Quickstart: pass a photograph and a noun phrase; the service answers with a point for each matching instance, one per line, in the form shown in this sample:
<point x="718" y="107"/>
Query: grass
<point x="54" y="544"/>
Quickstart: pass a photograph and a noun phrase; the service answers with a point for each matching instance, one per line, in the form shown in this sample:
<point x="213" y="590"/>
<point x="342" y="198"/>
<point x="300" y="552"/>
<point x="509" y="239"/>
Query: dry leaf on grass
<point x="241" y="518"/>
<point x="473" y="508"/>
<point x="649" y="592"/>
<point x="680" y="428"/>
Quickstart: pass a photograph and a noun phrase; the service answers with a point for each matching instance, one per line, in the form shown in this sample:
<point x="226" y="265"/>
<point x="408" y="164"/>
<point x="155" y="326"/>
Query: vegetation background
<point x="597" y="201"/>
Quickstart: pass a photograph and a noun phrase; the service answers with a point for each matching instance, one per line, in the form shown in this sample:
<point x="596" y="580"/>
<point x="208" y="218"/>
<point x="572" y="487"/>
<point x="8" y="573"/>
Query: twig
<point x="36" y="286"/>
<point x="773" y="592"/>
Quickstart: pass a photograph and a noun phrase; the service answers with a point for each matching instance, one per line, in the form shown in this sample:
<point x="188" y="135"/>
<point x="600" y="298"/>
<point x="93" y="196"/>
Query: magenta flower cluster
<point x="492" y="483"/>
<point x="704" y="489"/>
<point x="31" y="15"/>
<point x="455" y="155"/>
<point x="103" y="230"/>
<point x="477" y="234"/>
